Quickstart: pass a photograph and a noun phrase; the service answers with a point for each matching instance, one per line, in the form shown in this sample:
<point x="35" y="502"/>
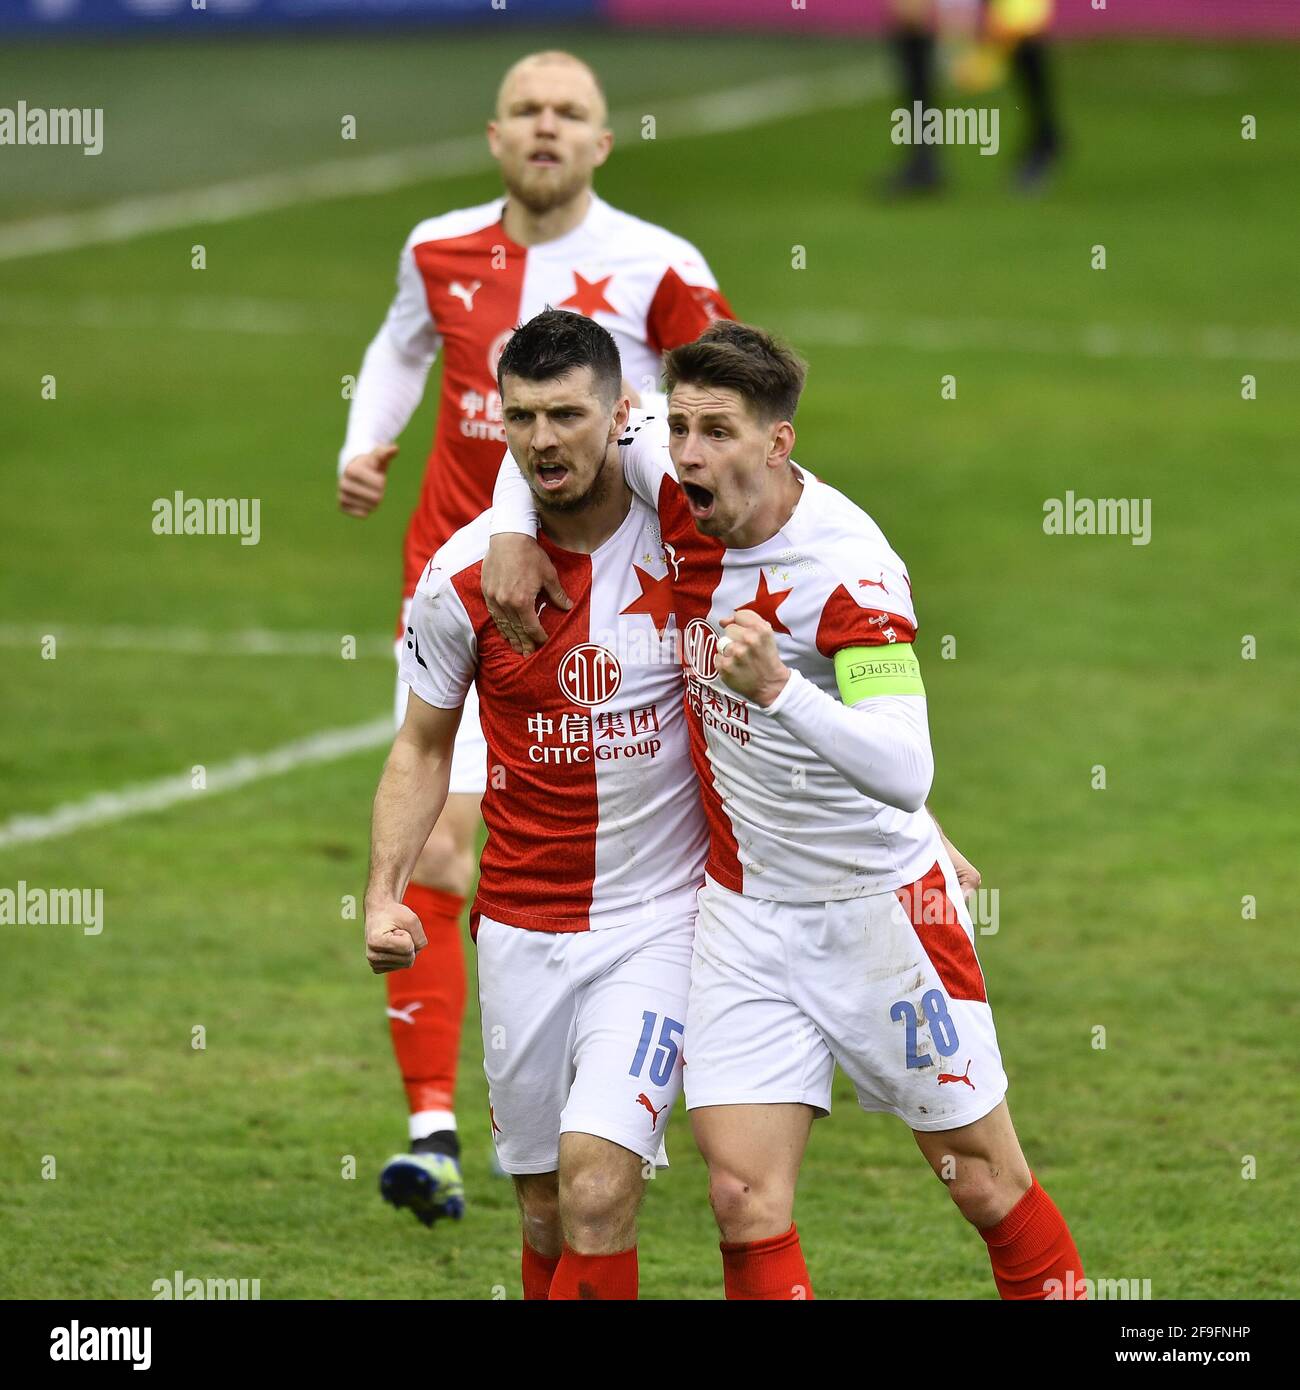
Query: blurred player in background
<point x="985" y="38"/>
<point x="464" y="281"/>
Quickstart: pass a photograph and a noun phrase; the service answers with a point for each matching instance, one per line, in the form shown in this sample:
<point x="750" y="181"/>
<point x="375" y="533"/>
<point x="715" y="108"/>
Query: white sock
<point x="427" y="1122"/>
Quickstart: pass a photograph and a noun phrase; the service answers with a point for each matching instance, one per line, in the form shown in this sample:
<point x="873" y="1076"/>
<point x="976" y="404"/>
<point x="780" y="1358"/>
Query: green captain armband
<point x="862" y="672"/>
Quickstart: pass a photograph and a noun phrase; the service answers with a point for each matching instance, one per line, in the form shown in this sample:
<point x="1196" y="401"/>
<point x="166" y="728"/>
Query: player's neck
<point x="527" y="228"/>
<point x="587" y="530"/>
<point x="775" y="512"/>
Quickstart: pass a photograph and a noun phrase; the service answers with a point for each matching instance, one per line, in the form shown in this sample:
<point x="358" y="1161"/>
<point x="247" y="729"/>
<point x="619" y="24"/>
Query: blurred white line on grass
<point x="827" y="327"/>
<point x="736" y="108"/>
<point x="246" y="642"/>
<point x="137" y="799"/>
<point x="1212" y="342"/>
<point x="196" y="313"/>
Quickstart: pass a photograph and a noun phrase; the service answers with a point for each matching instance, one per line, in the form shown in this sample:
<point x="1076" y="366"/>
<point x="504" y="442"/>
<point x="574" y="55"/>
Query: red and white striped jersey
<point x="592" y="806"/>
<point x="783" y="825"/>
<point x="462" y="288"/>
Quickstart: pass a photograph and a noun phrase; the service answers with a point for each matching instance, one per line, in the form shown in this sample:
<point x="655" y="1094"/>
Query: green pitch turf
<point x="1119" y="909"/>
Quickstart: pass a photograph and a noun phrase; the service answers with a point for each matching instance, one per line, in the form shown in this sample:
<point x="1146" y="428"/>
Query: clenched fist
<point x="362" y="482"/>
<point x="393" y="936"/>
<point x="748" y="660"/>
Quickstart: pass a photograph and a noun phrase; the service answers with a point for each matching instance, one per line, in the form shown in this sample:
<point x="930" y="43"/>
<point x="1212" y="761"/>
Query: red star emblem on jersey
<point x="765" y="604"/>
<point x="656" y="598"/>
<point x="588" y="296"/>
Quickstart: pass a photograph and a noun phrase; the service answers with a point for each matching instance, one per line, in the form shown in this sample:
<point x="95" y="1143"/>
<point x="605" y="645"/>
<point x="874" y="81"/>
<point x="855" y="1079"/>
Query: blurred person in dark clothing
<point x="990" y="38"/>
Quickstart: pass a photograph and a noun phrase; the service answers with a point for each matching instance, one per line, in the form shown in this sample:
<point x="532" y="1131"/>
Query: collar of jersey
<point x="809" y="483"/>
<point x="554" y="548"/>
<point x="598" y="207"/>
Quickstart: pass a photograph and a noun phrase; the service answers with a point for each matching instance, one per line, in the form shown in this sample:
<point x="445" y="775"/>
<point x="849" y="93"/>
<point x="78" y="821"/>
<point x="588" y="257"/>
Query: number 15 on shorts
<point x="664" y="1057"/>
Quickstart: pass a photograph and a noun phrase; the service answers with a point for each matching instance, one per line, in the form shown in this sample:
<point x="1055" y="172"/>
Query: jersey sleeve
<point x="513" y="508"/>
<point x="643" y="449"/>
<point x="388" y="390"/>
<point x="409" y="324"/>
<point x="439" y="647"/>
<point x="685" y="302"/>
<point x="870" y="606"/>
<point x="880" y="745"/>
<point x="646" y="460"/>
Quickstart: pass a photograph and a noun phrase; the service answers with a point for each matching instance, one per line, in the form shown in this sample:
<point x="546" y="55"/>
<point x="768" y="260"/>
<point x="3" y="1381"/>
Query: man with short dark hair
<point x="596" y="839"/>
<point x="465" y="278"/>
<point x="831" y="925"/>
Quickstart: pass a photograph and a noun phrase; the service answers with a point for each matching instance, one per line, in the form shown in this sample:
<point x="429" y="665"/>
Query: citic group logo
<point x="701" y="649"/>
<point x="589" y="674"/>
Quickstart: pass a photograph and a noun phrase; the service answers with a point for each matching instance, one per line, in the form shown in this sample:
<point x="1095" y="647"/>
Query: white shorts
<point x="780" y="992"/>
<point x="582" y="1032"/>
<point x="469" y="752"/>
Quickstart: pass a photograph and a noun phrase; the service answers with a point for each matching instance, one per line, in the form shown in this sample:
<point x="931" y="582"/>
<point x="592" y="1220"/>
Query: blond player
<point x="464" y="280"/>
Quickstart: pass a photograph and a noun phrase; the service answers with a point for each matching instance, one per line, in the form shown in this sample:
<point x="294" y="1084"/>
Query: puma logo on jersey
<point x="644" y="1099"/>
<point x="964" y="1077"/>
<point x="414" y="646"/>
<point x="874" y="583"/>
<point x="466" y="296"/>
<point x="405" y="1014"/>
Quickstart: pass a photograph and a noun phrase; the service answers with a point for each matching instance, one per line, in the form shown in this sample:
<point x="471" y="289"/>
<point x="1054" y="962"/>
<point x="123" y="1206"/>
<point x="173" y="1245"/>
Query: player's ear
<point x="781" y="445"/>
<point x="622" y="411"/>
<point x="604" y="143"/>
<point x="494" y="139"/>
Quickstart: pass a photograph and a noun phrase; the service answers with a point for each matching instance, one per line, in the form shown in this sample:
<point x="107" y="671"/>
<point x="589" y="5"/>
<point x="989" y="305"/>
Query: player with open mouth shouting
<point x="831" y="924"/>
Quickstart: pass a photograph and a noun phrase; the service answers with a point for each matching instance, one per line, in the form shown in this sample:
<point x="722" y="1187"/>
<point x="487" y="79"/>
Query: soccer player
<point x="464" y="280"/>
<point x="831" y="925"/>
<point x="596" y="838"/>
<point x="995" y="34"/>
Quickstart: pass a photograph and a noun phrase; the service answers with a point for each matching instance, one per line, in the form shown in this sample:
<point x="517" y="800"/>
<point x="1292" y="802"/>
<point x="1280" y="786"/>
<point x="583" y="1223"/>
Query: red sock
<point x="429" y="1000"/>
<point x="539" y="1270"/>
<point x="1032" y="1251"/>
<point x="768" y="1269"/>
<point x="595" y="1276"/>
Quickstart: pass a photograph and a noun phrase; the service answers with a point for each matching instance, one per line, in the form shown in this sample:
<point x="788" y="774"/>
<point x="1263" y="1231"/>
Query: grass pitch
<point x="1118" y="909"/>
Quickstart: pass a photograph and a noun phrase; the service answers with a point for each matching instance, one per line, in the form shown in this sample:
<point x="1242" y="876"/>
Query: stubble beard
<point x="568" y="506"/>
<point x="539" y="201"/>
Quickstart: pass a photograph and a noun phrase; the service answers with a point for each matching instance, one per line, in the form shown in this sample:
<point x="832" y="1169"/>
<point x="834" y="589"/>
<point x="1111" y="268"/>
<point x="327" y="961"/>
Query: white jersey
<point x="591" y="806"/>
<point x="463" y="287"/>
<point x="784" y="825"/>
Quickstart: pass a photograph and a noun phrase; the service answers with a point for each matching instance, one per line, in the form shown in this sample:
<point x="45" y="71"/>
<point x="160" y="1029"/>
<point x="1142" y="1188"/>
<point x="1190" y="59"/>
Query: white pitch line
<point x="1210" y="342"/>
<point x="737" y="108"/>
<point x="198" y="313"/>
<point x="103" y="808"/>
<point x="829" y="327"/>
<point x="189" y="641"/>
